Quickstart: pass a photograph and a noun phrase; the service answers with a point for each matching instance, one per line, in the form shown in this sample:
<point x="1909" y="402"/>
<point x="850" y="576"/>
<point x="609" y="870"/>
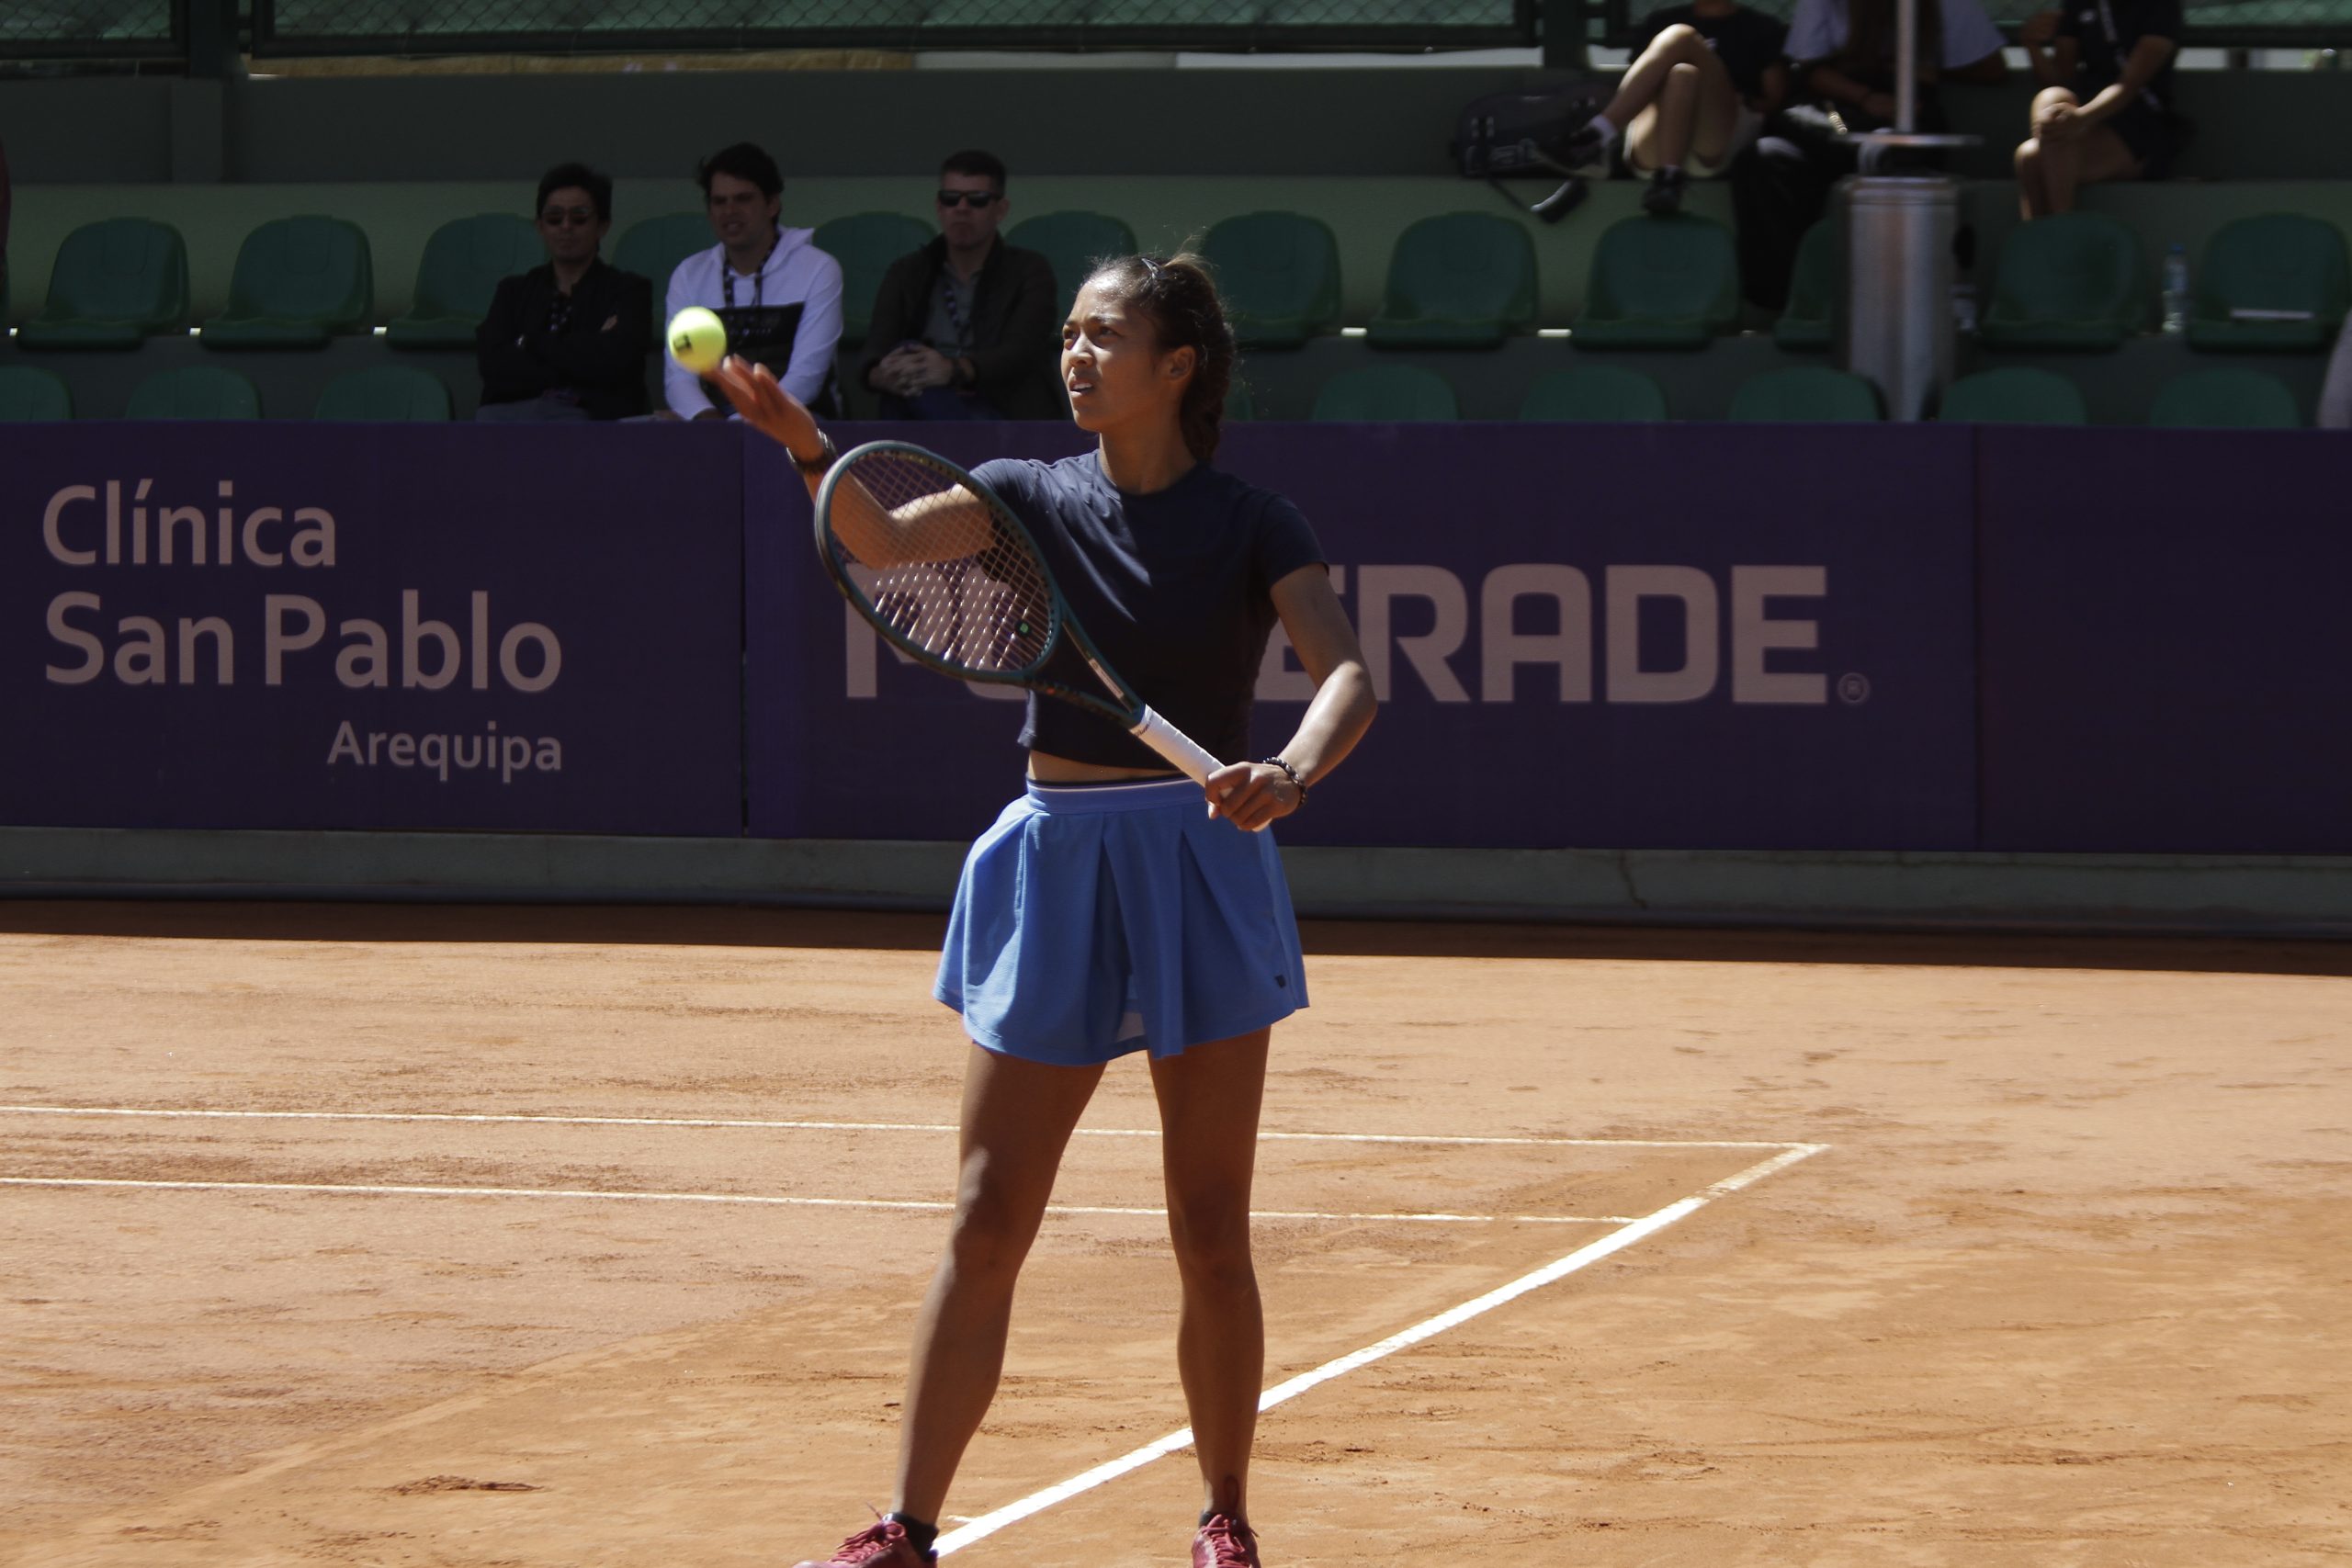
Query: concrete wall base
<point x="2280" y="895"/>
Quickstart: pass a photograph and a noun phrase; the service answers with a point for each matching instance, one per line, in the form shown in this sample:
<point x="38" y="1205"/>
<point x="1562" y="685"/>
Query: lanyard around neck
<point x="758" y="275"/>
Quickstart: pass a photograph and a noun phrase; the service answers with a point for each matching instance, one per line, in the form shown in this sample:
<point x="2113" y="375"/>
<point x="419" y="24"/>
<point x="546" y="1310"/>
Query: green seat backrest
<point x="1812" y="286"/>
<point x="1240" y="406"/>
<point x="1464" y="267"/>
<point x="304" y="269"/>
<point x="1594" y="394"/>
<point x="1807" y="394"/>
<point x="2076" y="266"/>
<point x="194" y="391"/>
<point x="28" y="394"/>
<point x="387" y="393"/>
<point x="124" y="270"/>
<point x="2282" y="261"/>
<point x="1073" y="242"/>
<point x="2225" y="399"/>
<point x="1276" y="267"/>
<point x="2018" y="395"/>
<point x="466" y="258"/>
<point x="1665" y="269"/>
<point x="653" y="248"/>
<point x="865" y="243"/>
<point x="1386" y="394"/>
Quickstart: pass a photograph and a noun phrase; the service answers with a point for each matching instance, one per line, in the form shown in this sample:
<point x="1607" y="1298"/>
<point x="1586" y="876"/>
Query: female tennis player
<point x="1106" y="911"/>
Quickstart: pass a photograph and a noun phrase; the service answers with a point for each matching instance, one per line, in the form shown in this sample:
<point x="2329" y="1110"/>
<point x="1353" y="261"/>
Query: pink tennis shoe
<point x="1224" y="1542"/>
<point x="883" y="1544"/>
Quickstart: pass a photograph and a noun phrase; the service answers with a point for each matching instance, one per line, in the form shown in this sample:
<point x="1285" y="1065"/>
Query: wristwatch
<point x="826" y="453"/>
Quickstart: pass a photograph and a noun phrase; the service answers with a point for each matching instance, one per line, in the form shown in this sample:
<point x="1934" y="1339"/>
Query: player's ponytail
<point x="1179" y="296"/>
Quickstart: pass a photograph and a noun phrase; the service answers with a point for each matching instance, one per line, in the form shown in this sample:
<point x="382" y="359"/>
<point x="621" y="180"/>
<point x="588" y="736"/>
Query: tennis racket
<point x="944" y="571"/>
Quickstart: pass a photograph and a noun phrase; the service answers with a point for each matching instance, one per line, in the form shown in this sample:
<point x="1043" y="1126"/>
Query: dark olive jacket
<point x="1016" y="337"/>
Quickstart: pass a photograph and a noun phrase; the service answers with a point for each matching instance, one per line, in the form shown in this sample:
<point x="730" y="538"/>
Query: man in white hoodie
<point x="779" y="296"/>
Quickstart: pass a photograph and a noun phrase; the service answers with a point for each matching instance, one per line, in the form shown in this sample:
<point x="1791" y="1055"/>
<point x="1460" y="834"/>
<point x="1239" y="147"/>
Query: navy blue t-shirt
<point x="1172" y="587"/>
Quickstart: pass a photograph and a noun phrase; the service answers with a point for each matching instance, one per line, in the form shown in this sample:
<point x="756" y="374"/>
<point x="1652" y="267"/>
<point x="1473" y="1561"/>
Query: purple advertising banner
<point x="323" y="625"/>
<point x="2167" y="657"/>
<point x="1659" y="637"/>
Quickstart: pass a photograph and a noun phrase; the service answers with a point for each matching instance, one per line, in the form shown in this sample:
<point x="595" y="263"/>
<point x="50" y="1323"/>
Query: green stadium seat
<point x="1279" y="273"/>
<point x="1386" y="394"/>
<point x="1458" y="280"/>
<point x="1594" y="394"/>
<point x="652" y="248"/>
<point x="30" y="394"/>
<point x="459" y="275"/>
<point x="865" y="243"/>
<point x="1809" y="324"/>
<point x="1073" y="242"/>
<point x="1240" y="406"/>
<point x="2018" y="395"/>
<point x="116" y="284"/>
<point x="2078" y="280"/>
<point x="2225" y="399"/>
<point x="385" y="394"/>
<point x="299" y="282"/>
<point x="2284" y="262"/>
<point x="1808" y="394"/>
<point x="194" y="391"/>
<point x="1661" y="283"/>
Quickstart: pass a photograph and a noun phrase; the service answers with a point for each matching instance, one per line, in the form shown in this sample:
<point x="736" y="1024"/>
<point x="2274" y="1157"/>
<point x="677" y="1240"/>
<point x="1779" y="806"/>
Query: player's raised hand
<point x="766" y="406"/>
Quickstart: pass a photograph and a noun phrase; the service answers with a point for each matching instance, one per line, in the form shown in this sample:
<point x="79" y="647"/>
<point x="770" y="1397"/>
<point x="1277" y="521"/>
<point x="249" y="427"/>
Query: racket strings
<point x="950" y="582"/>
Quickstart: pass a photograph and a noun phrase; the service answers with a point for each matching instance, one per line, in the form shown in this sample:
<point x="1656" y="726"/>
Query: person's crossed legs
<point x="1676" y="101"/>
<point x="2065" y="153"/>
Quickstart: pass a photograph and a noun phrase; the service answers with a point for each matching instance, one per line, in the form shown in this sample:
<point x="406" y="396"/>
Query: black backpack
<point x="1525" y="133"/>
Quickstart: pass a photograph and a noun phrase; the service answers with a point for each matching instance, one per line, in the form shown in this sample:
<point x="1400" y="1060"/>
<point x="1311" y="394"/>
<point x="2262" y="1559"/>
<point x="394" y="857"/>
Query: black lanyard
<point x="759" y="276"/>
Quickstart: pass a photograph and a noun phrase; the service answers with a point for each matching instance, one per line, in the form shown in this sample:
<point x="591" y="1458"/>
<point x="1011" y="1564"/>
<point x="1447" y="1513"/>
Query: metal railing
<point x="445" y="27"/>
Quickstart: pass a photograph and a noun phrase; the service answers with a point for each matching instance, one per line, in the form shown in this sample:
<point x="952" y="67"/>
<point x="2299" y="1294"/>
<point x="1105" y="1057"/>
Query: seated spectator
<point x="1848" y="60"/>
<point x="2104" y="109"/>
<point x="779" y="296"/>
<point x="965" y="327"/>
<point x="1843" y="82"/>
<point x="568" y="340"/>
<point x="2335" y="391"/>
<point x="1698" y="90"/>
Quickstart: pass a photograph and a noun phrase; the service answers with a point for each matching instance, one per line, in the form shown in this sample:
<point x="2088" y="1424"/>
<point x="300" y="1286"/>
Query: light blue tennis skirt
<point x="1100" y="920"/>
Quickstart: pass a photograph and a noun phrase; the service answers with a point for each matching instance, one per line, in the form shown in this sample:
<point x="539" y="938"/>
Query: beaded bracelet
<point x="1290" y="773"/>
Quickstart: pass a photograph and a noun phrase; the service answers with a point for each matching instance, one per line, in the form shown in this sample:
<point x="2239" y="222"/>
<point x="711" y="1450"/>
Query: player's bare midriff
<point x="1046" y="768"/>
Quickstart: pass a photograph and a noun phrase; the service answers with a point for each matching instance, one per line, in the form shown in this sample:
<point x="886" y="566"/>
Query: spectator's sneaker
<point x="1586" y="149"/>
<point x="1224" y="1542"/>
<point x="882" y="1544"/>
<point x="1663" y="198"/>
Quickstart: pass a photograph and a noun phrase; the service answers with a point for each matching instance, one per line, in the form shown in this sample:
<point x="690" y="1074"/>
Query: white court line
<point x="864" y="1127"/>
<point x="926" y="1205"/>
<point x="1584" y="1257"/>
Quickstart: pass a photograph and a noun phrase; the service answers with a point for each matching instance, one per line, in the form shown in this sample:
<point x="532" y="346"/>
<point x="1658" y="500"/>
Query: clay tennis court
<point x="530" y="1236"/>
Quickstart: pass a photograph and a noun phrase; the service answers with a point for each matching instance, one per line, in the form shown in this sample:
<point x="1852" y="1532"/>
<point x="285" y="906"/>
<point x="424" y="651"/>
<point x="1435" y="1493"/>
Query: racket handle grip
<point x="1175" y="745"/>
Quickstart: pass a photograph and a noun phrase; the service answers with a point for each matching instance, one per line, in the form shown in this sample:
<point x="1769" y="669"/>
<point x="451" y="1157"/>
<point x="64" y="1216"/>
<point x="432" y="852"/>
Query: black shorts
<point x="2150" y="135"/>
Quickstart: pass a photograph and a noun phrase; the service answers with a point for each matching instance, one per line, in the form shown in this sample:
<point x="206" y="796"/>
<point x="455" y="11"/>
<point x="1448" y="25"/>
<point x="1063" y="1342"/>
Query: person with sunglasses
<point x="568" y="340"/>
<point x="968" y="326"/>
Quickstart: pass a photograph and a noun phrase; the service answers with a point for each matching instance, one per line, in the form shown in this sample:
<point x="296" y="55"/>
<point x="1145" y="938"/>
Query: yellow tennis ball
<point x="697" y="340"/>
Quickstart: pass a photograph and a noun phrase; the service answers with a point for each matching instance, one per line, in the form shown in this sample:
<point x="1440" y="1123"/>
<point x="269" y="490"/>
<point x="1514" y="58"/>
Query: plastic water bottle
<point x="2177" y="288"/>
